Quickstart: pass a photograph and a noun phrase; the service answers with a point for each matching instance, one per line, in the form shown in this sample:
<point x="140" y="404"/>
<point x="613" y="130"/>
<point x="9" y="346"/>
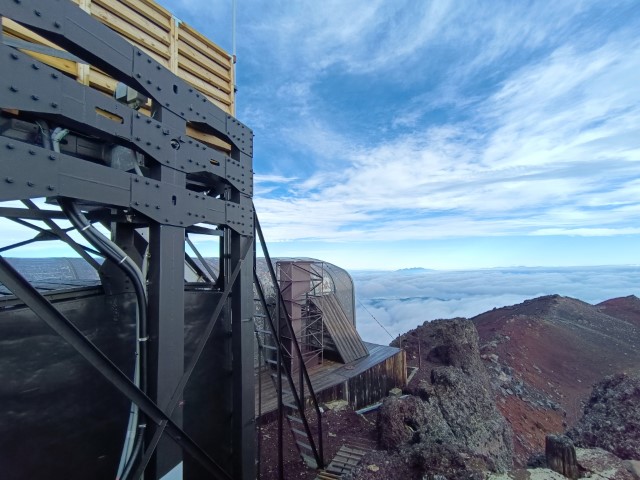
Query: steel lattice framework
<point x="151" y="185"/>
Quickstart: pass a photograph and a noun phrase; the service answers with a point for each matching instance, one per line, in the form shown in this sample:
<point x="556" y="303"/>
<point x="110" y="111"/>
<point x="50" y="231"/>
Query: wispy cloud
<point x="541" y="152"/>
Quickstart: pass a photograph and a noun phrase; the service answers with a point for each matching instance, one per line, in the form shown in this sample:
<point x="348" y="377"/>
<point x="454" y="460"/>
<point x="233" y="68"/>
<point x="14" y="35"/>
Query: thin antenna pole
<point x="233" y="52"/>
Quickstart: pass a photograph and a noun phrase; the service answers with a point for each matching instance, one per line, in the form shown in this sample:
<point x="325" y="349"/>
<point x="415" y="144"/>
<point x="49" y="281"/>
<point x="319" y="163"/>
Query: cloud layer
<point x="402" y="300"/>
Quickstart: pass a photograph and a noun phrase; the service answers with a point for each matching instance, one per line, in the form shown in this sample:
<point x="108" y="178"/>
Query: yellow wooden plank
<point x="204" y="75"/>
<point x="101" y="81"/>
<point x="233" y="86"/>
<point x="225" y="107"/>
<point x="62" y="64"/>
<point x="153" y="5"/>
<point x="207" y="138"/>
<point x="134" y="18"/>
<point x="173" y="46"/>
<point x="187" y="51"/>
<point x="204" y="87"/>
<point x="110" y="115"/>
<point x="208" y="48"/>
<point x="150" y="10"/>
<point x="199" y="38"/>
<point x="18" y="31"/>
<point x="128" y="31"/>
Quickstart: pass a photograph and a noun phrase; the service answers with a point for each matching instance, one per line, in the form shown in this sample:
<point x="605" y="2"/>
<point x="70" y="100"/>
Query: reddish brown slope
<point x="624" y="308"/>
<point x="545" y="354"/>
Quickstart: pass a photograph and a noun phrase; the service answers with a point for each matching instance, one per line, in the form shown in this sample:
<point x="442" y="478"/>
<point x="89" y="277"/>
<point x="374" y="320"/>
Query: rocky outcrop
<point x="611" y="417"/>
<point x="450" y="425"/>
<point x="596" y="463"/>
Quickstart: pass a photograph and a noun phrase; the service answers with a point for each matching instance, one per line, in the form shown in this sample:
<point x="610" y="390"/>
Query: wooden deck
<point x="361" y="382"/>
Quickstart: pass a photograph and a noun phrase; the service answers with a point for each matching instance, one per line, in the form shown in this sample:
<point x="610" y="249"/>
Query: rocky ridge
<point x="544" y="355"/>
<point x="447" y="424"/>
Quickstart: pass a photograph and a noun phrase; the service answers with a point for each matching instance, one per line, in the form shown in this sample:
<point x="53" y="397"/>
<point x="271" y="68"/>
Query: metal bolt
<point x="9" y="180"/>
<point x="157" y="186"/>
<point x="54" y="104"/>
<point x="13" y="88"/>
<point x="35" y="98"/>
<point x="54" y="75"/>
<point x="32" y="152"/>
<point x="37" y="12"/>
<point x="30" y="184"/>
<point x="10" y="146"/>
<point x="52" y="157"/>
<point x="157" y="207"/>
<point x="14" y="56"/>
<point x="51" y="188"/>
<point x="56" y="24"/>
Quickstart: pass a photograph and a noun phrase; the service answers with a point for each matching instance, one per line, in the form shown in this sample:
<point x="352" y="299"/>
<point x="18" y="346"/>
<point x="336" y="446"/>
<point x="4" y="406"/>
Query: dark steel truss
<point x="180" y="186"/>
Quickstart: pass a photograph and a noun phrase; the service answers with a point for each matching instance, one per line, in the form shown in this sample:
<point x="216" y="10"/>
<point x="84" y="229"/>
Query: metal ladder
<point x="293" y="396"/>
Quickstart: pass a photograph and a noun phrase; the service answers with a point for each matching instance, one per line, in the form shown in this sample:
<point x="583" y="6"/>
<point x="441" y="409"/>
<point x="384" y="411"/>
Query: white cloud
<point x="553" y="150"/>
<point x="401" y="301"/>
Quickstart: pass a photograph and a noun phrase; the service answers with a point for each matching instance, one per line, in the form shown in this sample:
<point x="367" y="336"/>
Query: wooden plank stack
<point x="173" y="43"/>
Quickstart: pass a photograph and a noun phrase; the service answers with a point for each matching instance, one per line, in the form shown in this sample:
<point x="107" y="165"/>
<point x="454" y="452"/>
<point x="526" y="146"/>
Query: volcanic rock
<point x="450" y="426"/>
<point x="612" y="417"/>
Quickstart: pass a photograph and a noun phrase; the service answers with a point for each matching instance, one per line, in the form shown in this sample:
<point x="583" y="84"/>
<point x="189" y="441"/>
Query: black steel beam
<point x="166" y="330"/>
<point x="12" y="212"/>
<point x="28" y="171"/>
<point x="64" y="236"/>
<point x="204" y="338"/>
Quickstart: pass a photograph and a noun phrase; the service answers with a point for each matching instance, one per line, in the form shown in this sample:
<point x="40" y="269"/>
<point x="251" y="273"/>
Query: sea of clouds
<point x="401" y="300"/>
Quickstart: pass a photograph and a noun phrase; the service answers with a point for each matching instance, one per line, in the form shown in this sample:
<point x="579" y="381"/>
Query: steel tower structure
<point x="104" y="162"/>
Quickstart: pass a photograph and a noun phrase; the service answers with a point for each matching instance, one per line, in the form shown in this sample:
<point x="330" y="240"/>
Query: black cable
<point x="119" y="258"/>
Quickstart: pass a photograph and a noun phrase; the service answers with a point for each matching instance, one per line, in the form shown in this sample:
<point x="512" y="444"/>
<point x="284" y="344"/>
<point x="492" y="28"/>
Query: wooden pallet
<point x="346" y="459"/>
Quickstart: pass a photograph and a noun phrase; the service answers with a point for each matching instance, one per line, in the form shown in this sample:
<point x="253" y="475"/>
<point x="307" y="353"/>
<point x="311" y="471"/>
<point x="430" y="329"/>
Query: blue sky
<point x="449" y="135"/>
<point x="440" y="134"/>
